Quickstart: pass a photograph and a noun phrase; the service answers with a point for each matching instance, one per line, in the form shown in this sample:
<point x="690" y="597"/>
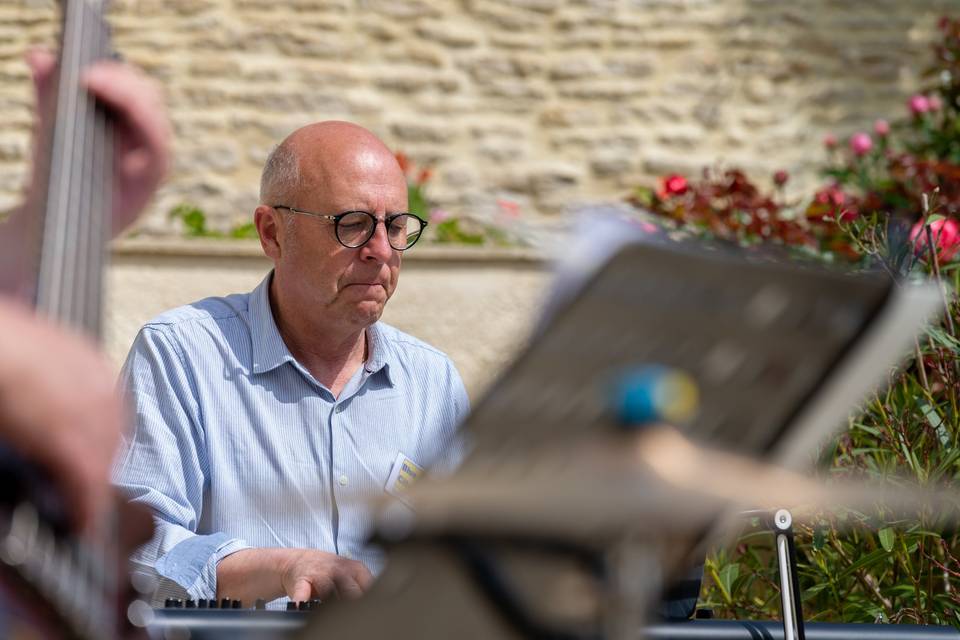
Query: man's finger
<point x="363" y="577"/>
<point x="301" y="590"/>
<point x="42" y="64"/>
<point x="347" y="587"/>
<point x="134" y="98"/>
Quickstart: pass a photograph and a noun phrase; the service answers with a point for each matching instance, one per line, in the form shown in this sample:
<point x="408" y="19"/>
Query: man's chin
<point x="366" y="313"/>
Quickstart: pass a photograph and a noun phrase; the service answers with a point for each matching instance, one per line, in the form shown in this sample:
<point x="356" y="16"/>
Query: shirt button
<point x="344" y="481"/>
<point x="339" y="408"/>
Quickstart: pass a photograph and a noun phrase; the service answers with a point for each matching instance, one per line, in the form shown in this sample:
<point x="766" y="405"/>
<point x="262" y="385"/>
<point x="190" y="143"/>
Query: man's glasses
<point x="355" y="228"/>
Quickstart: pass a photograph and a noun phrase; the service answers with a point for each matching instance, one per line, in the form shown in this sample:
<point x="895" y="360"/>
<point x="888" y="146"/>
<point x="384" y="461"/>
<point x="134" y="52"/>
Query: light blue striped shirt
<point x="236" y="445"/>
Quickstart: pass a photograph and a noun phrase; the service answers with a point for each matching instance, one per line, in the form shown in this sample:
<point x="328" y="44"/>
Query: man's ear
<point x="269" y="228"/>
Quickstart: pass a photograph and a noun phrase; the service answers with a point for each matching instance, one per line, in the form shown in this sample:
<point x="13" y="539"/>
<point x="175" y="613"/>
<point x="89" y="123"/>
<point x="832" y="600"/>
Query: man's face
<point x="322" y="279"/>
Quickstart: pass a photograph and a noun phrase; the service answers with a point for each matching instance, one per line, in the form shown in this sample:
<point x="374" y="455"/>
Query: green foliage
<point x="195" y="224"/>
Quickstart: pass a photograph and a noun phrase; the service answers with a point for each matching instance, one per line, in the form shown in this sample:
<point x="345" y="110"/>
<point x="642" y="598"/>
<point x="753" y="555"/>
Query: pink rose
<point x="881" y="128"/>
<point x="861" y="143"/>
<point x="946" y="237"/>
<point x="935" y="103"/>
<point x="830" y="141"/>
<point x="919" y="105"/>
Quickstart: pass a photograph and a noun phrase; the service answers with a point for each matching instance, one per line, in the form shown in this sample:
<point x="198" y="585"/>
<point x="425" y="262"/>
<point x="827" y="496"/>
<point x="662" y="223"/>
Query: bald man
<point x="264" y="420"/>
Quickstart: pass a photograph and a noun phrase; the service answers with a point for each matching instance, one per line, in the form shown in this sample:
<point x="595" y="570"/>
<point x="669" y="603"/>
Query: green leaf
<point x="248" y="230"/>
<point x="886" y="536"/>
<point x="819" y="539"/>
<point x="194" y="219"/>
<point x="728" y="575"/>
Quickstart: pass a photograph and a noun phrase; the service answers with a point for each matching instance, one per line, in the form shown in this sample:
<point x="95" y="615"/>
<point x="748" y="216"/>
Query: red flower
<point x="673" y="185"/>
<point x="946" y="237"/>
<point x="403" y="161"/>
<point x="881" y="128"/>
<point x="832" y="195"/>
<point x="830" y="141"/>
<point x="780" y="178"/>
<point x="425" y="175"/>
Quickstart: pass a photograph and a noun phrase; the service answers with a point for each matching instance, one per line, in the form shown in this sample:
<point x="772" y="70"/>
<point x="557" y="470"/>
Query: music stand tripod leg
<point x="789" y="582"/>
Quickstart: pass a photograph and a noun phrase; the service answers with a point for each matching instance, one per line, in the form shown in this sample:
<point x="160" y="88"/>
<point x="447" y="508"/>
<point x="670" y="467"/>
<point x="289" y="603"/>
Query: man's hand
<point x="300" y="574"/>
<point x="141" y="130"/>
<point x="58" y="408"/>
<point x="316" y="574"/>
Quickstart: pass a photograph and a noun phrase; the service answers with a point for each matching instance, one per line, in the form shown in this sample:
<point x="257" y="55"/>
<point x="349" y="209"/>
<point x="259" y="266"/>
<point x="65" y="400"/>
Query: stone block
<point x="569" y="116"/>
<point x="419" y="54"/>
<point x="13" y="179"/>
<point x="611" y="165"/>
<point x="378" y="30"/>
<point x="498" y="129"/>
<point x="504" y="16"/>
<point x="547" y="178"/>
<point x="401" y="9"/>
<point x="515" y="90"/>
<point x="680" y="136"/>
<point x="416" y="131"/>
<point x="211" y="67"/>
<point x="586" y="38"/>
<point x="450" y="33"/>
<point x="657" y="161"/>
<point x="216" y="158"/>
<point x="603" y="89"/>
<point x="630" y="66"/>
<point x="539" y="6"/>
<point x="575" y="68"/>
<point x="489" y="68"/>
<point x="516" y="41"/>
<point x="407" y="80"/>
<point x="502" y="150"/>
<point x="14" y="147"/>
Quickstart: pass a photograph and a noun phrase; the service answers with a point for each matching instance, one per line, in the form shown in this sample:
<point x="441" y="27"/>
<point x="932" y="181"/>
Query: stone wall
<point x="543" y="102"/>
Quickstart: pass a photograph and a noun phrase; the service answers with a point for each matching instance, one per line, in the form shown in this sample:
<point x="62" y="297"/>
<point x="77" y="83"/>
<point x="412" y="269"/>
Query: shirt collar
<point x="270" y="351"/>
<point x="379" y="354"/>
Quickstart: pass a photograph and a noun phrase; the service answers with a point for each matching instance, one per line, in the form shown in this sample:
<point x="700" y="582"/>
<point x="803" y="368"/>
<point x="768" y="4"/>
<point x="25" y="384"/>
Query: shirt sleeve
<point x="163" y="466"/>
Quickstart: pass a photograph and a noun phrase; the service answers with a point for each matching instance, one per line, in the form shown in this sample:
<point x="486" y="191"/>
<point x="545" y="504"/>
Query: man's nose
<point x="378" y="246"/>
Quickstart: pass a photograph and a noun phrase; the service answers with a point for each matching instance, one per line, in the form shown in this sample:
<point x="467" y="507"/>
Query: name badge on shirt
<point x="403" y="474"/>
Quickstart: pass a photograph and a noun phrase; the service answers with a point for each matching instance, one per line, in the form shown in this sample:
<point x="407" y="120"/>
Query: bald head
<point x="318" y="155"/>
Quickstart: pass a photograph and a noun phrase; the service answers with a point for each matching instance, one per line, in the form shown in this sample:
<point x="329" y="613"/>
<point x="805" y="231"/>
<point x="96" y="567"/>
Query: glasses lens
<point x="355" y="228"/>
<point x="404" y="231"/>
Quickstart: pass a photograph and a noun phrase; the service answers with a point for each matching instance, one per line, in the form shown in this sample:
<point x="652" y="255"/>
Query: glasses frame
<point x="336" y="218"/>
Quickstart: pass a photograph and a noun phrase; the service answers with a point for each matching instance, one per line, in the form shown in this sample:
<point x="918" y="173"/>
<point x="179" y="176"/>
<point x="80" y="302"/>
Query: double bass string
<point x="74" y="235"/>
<point x="54" y="248"/>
